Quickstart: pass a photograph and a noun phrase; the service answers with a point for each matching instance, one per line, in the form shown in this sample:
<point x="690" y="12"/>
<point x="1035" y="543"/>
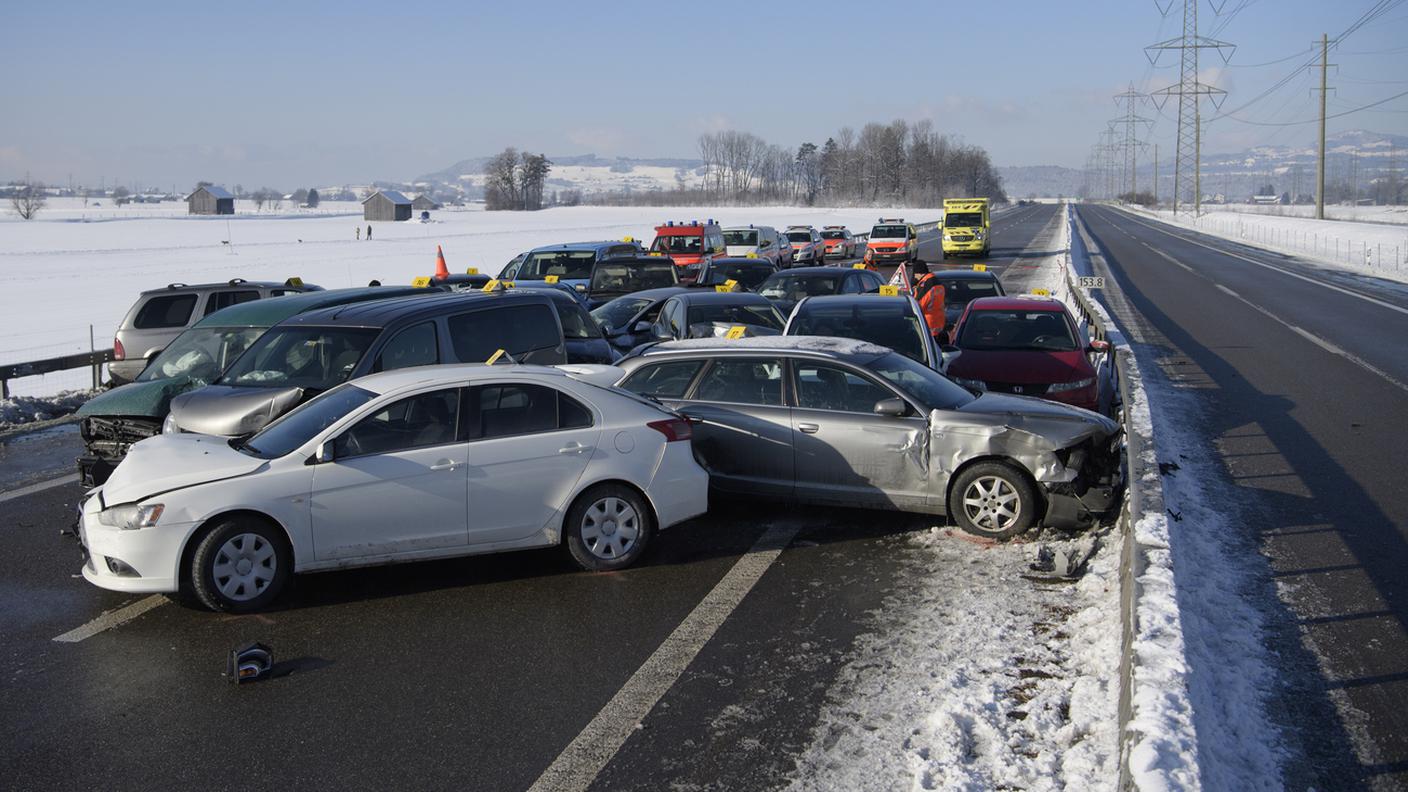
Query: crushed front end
<point x="106" y="440"/>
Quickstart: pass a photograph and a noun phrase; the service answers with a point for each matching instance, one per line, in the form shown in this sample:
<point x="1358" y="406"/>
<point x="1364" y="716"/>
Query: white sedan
<point x="411" y="464"/>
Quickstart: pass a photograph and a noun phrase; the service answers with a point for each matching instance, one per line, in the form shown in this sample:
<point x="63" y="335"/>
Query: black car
<point x="708" y="314"/>
<point x="748" y="272"/>
<point x="586" y="343"/>
<point x="787" y="287"/>
<point x="618" y="277"/>
<point x="964" y="286"/>
<point x="626" y="320"/>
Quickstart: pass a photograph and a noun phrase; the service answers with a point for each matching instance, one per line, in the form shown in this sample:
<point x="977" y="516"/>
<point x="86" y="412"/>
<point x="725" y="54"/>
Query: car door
<point x="742" y="426"/>
<point x="396" y="484"/>
<point x="846" y="454"/>
<point x="528" y="446"/>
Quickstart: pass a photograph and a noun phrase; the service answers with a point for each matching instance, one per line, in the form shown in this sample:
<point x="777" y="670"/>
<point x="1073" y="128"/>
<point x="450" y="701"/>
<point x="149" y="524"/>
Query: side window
<point x="425" y="419"/>
<point x="663" y="380"/>
<point x="167" y="310"/>
<point x="224" y="299"/>
<point x="511" y="269"/>
<point x="673" y="316"/>
<point x="414" y="346"/>
<point x="516" y="329"/>
<point x="742" y="381"/>
<point x="506" y="410"/>
<point x="821" y="387"/>
<point x="621" y="250"/>
<point x="853" y="284"/>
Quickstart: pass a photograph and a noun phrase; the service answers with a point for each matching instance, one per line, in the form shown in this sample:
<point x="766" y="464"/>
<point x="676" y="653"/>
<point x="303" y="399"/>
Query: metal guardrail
<point x="95" y="359"/>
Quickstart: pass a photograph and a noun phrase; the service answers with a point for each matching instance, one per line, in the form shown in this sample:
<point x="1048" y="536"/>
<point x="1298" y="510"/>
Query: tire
<point x="239" y="566"/>
<point x="607" y="528"/>
<point x="982" y="496"/>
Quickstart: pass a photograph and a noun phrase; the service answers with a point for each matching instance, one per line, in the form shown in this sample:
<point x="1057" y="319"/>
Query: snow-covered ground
<point x="1358" y="214"/>
<point x="67" y="271"/>
<point x="1376" y="248"/>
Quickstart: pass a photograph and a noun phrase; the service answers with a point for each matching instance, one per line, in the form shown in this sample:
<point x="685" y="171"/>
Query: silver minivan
<point x="159" y="315"/>
<point x="764" y="241"/>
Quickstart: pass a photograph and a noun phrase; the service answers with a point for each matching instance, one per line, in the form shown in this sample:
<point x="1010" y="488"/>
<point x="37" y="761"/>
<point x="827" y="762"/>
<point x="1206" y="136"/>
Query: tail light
<point x="118" y="353"/>
<point x="673" y="429"/>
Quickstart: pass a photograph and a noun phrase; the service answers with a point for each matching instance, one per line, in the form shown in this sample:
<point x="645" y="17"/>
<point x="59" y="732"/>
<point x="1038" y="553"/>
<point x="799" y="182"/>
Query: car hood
<point x="1020" y="367"/>
<point x="229" y="411"/>
<point x="151" y="398"/>
<point x="175" y="461"/>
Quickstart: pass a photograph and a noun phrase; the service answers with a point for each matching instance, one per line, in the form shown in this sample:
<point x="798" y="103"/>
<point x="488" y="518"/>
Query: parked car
<point x="964" y="286"/>
<point x="808" y="249"/>
<point x="749" y="273"/>
<point x="115" y="419"/>
<point x="892" y="241"/>
<point x="789" y="287"/>
<point x="159" y="315"/>
<point x="627" y="320"/>
<point x="571" y="263"/>
<point x="585" y="341"/>
<point x="847" y="423"/>
<point x="611" y="279"/>
<point x="894" y="322"/>
<point x="1027" y="345"/>
<point x="399" y="466"/>
<point x="839" y="242"/>
<point x="763" y="241"/>
<point x="316" y="351"/>
<point x="705" y="314"/>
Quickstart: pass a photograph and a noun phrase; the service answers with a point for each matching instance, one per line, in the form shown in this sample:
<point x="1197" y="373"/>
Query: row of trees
<point x="514" y="180"/>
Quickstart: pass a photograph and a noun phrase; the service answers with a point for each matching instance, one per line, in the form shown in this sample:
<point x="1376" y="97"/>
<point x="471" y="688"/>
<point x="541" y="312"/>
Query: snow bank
<point x="28" y="409"/>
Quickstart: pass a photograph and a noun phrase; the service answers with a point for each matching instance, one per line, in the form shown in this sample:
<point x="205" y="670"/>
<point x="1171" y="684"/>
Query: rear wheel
<point x="993" y="500"/>
<point x="608" y="528"/>
<point x="241" y="565"/>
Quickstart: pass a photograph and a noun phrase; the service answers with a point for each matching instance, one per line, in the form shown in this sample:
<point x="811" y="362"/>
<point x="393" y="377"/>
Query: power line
<point x="1315" y="120"/>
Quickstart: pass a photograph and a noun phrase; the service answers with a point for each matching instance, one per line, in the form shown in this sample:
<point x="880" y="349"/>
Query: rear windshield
<point x="565" y="264"/>
<point x="833" y="234"/>
<point x="758" y="315"/>
<point x="201" y="353"/>
<point x="887" y="323"/>
<point x="750" y="275"/>
<point x="167" y="310"/>
<point x="315" y="358"/>
<point x="637" y="276"/>
<point x="963" y="219"/>
<point x="781" y="286"/>
<point x="962" y="292"/>
<point x="889" y="232"/>
<point x="741" y="238"/>
<point x="692" y="244"/>
<point x="517" y="329"/>
<point x="619" y="311"/>
<point x="1017" y="330"/>
<point x="799" y="236"/>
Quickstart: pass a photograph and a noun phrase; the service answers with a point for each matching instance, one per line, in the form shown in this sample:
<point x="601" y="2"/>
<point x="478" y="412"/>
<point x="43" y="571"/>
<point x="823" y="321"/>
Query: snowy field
<point x="1358" y="214"/>
<point x="69" y="270"/>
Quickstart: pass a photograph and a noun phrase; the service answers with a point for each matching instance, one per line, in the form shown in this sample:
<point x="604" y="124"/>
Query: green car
<point x="113" y="421"/>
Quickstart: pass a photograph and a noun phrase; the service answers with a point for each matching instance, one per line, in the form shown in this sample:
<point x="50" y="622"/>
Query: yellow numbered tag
<point x="628" y="239"/>
<point x="721" y="288"/>
<point x="656" y="253"/>
<point x="491" y="285"/>
<point x="736" y="331"/>
<point x="858" y="265"/>
<point x="889" y="291"/>
<point x="472" y="271"/>
<point x="751" y="255"/>
<point x="731" y="285"/>
<point x="295" y="282"/>
<point x="980" y="268"/>
<point x="550" y="279"/>
<point x="494" y="358"/>
<point x="421" y="282"/>
<point x="1042" y="292"/>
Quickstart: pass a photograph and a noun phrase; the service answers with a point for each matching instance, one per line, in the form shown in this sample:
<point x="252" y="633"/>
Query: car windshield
<point x="747" y="236"/>
<point x="963" y="220"/>
<point x="923" y="384"/>
<point x="782" y="286"/>
<point x="889" y="232"/>
<point x="750" y="275"/>
<point x="625" y="278"/>
<point x="1017" y="330"/>
<point x="958" y="293"/>
<point x="306" y="421"/>
<point x="799" y="236"/>
<point x="692" y="244"/>
<point x="758" y="315"/>
<point x="201" y="353"/>
<point x="315" y="358"/>
<point x="885" y="322"/>
<point x="833" y="234"/>
<point x="620" y="311"/>
<point x="565" y="264"/>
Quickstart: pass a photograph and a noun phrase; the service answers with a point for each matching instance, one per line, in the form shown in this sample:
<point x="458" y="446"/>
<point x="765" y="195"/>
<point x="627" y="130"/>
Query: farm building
<point x="211" y="200"/>
<point x="386" y="206"/>
<point x="422" y="203"/>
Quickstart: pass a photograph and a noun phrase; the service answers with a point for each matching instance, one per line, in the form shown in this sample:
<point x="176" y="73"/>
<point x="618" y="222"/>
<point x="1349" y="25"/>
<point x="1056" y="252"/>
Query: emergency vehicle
<point x="892" y="240"/>
<point x="689" y="244"/>
<point x="967" y="227"/>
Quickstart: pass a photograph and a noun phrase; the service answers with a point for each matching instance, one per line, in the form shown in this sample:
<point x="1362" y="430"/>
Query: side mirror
<point x="660" y="333"/>
<point x="1099" y="345"/>
<point x="894" y="407"/>
<point x="323" y="455"/>
<point x="642" y="327"/>
<point x="948" y="349"/>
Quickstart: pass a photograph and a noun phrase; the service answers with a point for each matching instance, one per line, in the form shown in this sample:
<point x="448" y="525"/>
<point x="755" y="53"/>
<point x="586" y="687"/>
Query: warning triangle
<point x="900" y="278"/>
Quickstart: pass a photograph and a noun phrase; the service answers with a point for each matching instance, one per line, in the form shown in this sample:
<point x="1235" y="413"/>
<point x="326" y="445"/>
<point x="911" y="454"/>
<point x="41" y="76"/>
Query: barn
<point x="423" y="203"/>
<point x="386" y="206"/>
<point x="210" y="200"/>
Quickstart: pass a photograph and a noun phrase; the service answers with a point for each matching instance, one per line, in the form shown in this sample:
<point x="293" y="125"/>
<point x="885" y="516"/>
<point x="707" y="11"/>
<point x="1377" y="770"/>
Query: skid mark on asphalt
<point x="112" y="618"/>
<point x="584" y="758"/>
<point x="40" y="487"/>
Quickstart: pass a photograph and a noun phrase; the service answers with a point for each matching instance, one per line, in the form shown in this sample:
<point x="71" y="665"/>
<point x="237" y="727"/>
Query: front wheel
<point x="993" y="500"/>
<point x="240" y="566"/>
<point x="608" y="528"/>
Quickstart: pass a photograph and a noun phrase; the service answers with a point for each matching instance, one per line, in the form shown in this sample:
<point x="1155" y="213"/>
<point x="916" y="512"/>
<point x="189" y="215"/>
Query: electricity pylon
<point x="1131" y="144"/>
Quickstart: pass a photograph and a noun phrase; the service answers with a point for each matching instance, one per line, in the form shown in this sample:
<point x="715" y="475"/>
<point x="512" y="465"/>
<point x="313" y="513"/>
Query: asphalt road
<point x="474" y="673"/>
<point x="1299" y="379"/>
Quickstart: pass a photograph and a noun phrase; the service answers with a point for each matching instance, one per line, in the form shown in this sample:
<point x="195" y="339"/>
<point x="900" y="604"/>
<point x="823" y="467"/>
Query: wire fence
<point x="1367" y="254"/>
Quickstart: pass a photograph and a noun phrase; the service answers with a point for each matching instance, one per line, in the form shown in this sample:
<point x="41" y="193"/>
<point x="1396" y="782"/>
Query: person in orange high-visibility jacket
<point x="930" y="294"/>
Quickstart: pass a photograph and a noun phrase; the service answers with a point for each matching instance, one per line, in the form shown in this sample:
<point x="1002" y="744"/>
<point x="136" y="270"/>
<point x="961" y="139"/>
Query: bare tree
<point x="27" y="200"/>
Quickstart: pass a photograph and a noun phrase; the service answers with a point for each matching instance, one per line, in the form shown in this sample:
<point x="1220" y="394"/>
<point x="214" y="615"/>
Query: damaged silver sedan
<point x="847" y="423"/>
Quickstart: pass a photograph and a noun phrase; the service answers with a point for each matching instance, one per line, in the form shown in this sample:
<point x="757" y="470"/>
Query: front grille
<point x="111" y="437"/>
<point x="961" y="238"/>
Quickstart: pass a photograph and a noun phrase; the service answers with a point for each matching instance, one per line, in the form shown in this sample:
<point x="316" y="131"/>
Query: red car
<point x="1026" y="345"/>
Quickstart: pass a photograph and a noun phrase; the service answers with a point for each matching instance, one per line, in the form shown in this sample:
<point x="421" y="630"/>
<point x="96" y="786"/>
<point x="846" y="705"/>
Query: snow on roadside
<point x="19" y="410"/>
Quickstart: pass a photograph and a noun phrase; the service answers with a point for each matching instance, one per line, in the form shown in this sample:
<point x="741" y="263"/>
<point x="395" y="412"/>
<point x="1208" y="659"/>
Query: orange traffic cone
<point x="441" y="271"/>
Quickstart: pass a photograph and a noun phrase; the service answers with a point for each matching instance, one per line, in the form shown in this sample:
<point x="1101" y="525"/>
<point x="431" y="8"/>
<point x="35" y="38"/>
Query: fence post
<point x="97" y="367"/>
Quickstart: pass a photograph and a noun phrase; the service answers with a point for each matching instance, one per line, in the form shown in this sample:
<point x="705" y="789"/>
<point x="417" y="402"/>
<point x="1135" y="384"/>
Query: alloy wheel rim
<point x="992" y="503"/>
<point x="244" y="566"/>
<point x="610" y="528"/>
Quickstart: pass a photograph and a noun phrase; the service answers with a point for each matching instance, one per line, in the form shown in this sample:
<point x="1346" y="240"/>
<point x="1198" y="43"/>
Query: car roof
<point x="381" y="313"/>
<point x="177" y="288"/>
<point x="598" y="245"/>
<point x="861" y="301"/>
<point x="387" y="382"/>
<point x="1020" y="302"/>
<point x="553" y="292"/>
<point x="816" y="345"/>
<point x="272" y="310"/>
<point x="758" y="262"/>
<point x="836" y="271"/>
<point x="963" y="275"/>
<point x="702" y="296"/>
<point x="634" y="260"/>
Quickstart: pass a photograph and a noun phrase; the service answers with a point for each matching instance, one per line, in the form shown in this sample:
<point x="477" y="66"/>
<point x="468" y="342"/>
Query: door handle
<point x="444" y="464"/>
<point x="574" y="448"/>
<point x="808" y="428"/>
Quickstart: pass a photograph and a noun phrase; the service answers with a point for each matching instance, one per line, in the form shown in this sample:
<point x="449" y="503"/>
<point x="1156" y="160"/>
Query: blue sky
<point x="294" y="93"/>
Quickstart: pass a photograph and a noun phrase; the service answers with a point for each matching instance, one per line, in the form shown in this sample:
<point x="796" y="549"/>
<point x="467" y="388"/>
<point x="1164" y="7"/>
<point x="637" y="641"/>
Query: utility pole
<point x="1320" y="163"/>
<point x="1156" y="174"/>
<point x="1132" y="144"/>
<point x="1187" y="172"/>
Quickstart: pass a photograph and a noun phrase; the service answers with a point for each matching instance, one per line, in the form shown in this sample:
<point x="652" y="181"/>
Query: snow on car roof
<point x="839" y="346"/>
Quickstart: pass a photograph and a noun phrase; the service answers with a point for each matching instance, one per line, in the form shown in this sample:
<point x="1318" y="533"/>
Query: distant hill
<point x="1041" y="181"/>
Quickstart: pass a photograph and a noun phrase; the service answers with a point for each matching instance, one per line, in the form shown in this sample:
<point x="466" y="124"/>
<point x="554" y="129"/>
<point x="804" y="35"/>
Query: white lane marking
<point x="1320" y="283"/>
<point x="40" y="487"/>
<point x="584" y="758"/>
<point x="112" y="618"/>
